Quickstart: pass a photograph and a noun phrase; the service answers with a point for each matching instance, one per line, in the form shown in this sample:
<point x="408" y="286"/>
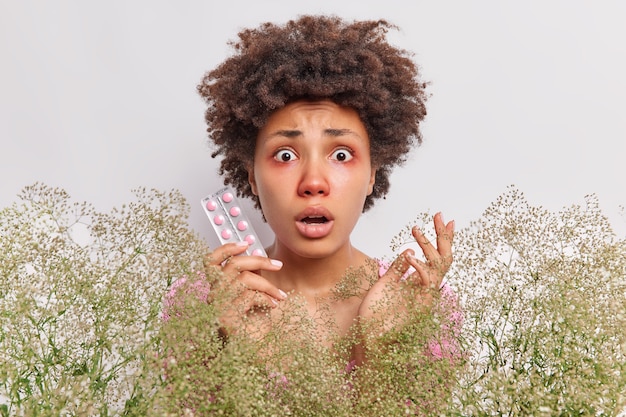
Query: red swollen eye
<point x="285" y="155"/>
<point x="342" y="155"/>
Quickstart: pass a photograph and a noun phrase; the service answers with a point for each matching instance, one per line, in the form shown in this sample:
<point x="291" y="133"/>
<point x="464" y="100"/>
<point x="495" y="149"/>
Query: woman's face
<point x="312" y="172"/>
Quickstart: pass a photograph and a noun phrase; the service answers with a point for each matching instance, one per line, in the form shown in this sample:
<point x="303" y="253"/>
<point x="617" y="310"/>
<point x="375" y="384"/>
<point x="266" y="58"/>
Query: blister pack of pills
<point x="230" y="222"/>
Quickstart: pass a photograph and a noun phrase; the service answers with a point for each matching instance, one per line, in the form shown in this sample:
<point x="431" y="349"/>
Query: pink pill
<point x="211" y="205"/>
<point x="257" y="252"/>
<point x="242" y="225"/>
<point x="227" y="197"/>
<point x="250" y="239"/>
<point x="218" y="220"/>
<point x="235" y="211"/>
<point x="227" y="234"/>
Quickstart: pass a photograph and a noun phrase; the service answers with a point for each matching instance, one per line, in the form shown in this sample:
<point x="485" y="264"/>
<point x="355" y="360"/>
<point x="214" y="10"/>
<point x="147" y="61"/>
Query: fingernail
<point x="242" y="243"/>
<point x="274" y="301"/>
<point x="453" y="225"/>
<point x="276" y="262"/>
<point x="442" y="219"/>
<point x="283" y="294"/>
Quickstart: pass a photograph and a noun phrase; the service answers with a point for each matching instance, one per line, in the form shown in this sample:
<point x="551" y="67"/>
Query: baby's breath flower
<point x="544" y="292"/>
<point x="84" y="300"/>
<point x="84" y="332"/>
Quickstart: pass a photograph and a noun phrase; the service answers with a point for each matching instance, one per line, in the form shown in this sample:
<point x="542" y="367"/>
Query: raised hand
<point x="430" y="273"/>
<point x="384" y="304"/>
<point x="245" y="289"/>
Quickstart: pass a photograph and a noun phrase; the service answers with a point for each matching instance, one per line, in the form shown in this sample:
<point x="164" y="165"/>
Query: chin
<point x="313" y="249"/>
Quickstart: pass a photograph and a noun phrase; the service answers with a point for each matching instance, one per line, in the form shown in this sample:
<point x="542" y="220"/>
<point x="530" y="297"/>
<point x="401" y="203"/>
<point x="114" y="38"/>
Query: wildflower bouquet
<point x="80" y="300"/>
<point x="544" y="297"/>
<point x="84" y="330"/>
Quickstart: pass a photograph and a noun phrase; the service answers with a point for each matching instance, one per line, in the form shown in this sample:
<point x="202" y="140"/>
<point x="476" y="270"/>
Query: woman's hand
<point x="242" y="285"/>
<point x="383" y="302"/>
<point x="430" y="273"/>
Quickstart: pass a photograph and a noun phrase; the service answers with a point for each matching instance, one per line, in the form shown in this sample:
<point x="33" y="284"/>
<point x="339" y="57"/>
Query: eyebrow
<point x="327" y="132"/>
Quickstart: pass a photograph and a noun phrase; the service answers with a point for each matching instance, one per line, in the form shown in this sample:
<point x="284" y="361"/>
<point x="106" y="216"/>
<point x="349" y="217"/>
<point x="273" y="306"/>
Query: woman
<point x="310" y="118"/>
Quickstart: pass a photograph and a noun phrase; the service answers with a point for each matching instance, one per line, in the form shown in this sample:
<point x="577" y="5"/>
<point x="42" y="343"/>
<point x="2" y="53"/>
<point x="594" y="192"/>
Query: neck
<point x="313" y="275"/>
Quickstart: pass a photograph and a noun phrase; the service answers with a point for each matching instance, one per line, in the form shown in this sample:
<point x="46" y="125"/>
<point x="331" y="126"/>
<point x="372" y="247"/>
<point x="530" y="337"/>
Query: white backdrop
<point x="99" y="98"/>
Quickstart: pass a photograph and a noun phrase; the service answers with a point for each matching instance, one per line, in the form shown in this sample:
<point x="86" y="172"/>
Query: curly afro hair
<point x="314" y="57"/>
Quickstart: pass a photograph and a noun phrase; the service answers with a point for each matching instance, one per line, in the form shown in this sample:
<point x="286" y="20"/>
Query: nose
<point x="313" y="181"/>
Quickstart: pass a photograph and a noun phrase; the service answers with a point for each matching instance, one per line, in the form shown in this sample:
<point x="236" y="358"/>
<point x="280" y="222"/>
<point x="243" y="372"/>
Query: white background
<point x="99" y="98"/>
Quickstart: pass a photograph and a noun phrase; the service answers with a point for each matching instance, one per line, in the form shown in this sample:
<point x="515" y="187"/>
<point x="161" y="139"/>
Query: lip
<point x="315" y="230"/>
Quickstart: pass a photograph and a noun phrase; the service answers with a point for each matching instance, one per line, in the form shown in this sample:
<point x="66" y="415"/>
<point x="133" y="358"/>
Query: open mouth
<point x="314" y="220"/>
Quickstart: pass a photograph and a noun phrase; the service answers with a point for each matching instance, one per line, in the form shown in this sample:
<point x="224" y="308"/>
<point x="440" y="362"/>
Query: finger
<point x="425" y="275"/>
<point x="400" y="265"/>
<point x="250" y="300"/>
<point x="445" y="235"/>
<point x="429" y="250"/>
<point x="239" y="264"/>
<point x="242" y="272"/>
<point x="246" y="302"/>
<point x="224" y="252"/>
<point x="261" y="285"/>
